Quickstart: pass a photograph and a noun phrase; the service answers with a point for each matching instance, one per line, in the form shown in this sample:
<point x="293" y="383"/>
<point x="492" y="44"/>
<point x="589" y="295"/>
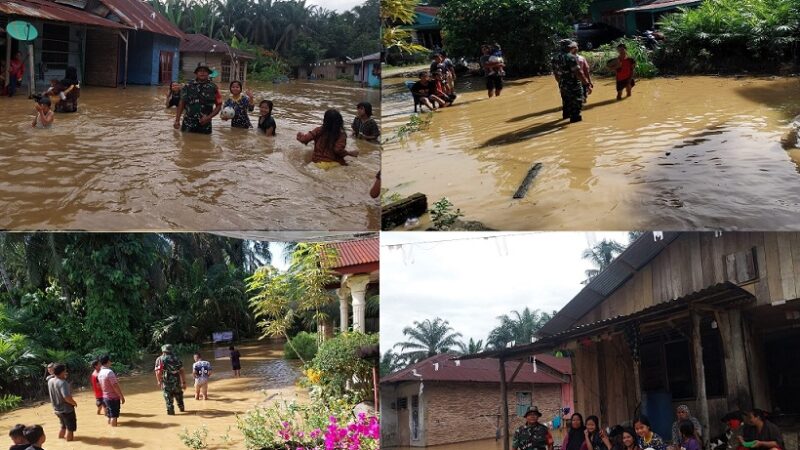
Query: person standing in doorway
<point x="236" y="364"/>
<point x="533" y="435"/>
<point x="16" y="70"/>
<point x="201" y="100"/>
<point x="170" y="377"/>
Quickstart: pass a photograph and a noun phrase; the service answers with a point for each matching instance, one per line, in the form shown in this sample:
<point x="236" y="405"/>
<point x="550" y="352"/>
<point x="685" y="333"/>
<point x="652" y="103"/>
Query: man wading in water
<point x="201" y="100"/>
<point x="571" y="81"/>
<point x="533" y="435"/>
<point x="169" y="373"/>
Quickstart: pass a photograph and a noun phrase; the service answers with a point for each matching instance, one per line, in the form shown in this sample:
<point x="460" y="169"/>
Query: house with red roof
<point x="231" y="62"/>
<point x="357" y="264"/>
<point x="443" y="400"/>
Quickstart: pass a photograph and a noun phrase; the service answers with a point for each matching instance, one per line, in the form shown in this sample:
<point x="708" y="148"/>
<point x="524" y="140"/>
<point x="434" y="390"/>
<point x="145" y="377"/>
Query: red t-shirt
<point x="98" y="393"/>
<point x="625" y="69"/>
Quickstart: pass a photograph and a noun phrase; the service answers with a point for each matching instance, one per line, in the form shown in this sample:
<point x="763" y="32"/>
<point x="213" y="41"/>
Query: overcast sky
<point x="337" y="5"/>
<point x="469" y="282"/>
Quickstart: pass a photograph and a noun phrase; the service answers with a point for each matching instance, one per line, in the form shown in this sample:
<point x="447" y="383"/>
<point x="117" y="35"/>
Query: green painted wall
<point x="597" y="8"/>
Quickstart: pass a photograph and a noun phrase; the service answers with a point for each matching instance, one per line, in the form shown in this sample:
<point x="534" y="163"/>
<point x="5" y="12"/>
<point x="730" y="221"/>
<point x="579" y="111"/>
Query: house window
<point x="356" y="69"/>
<point x="523" y="403"/>
<point x="678" y="358"/>
<point x="402" y="403"/>
<point x="226" y="70"/>
<point x="55" y="46"/>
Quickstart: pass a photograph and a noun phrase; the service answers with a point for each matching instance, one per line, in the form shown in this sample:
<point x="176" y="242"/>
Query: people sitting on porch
<point x="241" y="104"/>
<point x="330" y="141"/>
<point x="174" y="94"/>
<point x="760" y="432"/>
<point x="629" y="439"/>
<point x="533" y="435"/>
<point x="364" y="125"/>
<point x="576" y="437"/>
<point x="266" y="124"/>
<point x="647" y="437"/>
<point x="682" y="413"/>
<point x="688" y="436"/>
<point x="596" y="438"/>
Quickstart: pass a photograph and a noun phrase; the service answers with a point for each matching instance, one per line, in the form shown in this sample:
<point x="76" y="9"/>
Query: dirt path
<point x="144" y="422"/>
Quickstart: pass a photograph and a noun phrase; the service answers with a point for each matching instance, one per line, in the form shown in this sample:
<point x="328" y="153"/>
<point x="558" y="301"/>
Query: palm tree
<point x="471" y="347"/>
<point x="518" y="328"/>
<point x="428" y="338"/>
<point x="392" y="362"/>
<point x="601" y="255"/>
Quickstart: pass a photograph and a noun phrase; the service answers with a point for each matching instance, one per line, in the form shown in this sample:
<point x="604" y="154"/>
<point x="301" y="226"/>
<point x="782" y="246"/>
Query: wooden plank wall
<point x="698" y="260"/>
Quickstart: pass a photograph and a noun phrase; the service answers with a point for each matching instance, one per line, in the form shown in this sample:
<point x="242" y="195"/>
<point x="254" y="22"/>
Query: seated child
<point x="174" y="94"/>
<point x="266" y="124"/>
<point x="44" y="115"/>
<point x="423" y="90"/>
<point x="34" y="434"/>
<point x="330" y="141"/>
<point x="364" y="125"/>
<point x="441" y="90"/>
<point x="241" y="104"/>
<point x="497" y="63"/>
<point x="18" y="438"/>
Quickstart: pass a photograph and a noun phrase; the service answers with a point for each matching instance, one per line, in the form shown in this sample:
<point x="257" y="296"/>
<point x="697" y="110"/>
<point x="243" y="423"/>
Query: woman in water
<point x="241" y="104"/>
<point x="330" y="140"/>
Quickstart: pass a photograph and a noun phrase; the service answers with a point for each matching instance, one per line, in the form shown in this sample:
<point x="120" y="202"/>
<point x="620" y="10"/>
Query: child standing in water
<point x="44" y="115"/>
<point x="266" y="124"/>
<point x="364" y="125"/>
<point x="625" y="67"/>
<point x="241" y="104"/>
<point x="174" y="94"/>
<point x="330" y="140"/>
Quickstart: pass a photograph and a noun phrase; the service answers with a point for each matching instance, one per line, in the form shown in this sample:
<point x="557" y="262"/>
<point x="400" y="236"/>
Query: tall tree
<point x="428" y="338"/>
<point x="519" y="327"/>
<point x="471" y="347"/>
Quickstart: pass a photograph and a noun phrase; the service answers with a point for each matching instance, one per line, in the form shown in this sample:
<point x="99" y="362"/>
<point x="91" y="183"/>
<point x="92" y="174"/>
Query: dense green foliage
<point x="303" y="346"/>
<point x="299" y="33"/>
<point x="339" y="363"/>
<point x="73" y="297"/>
<point x="527" y="30"/>
<point x="598" y="58"/>
<point x="722" y="35"/>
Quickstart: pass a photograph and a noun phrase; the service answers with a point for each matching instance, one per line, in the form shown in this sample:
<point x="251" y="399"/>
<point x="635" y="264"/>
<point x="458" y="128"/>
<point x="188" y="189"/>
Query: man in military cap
<point x="170" y="377"/>
<point x="570" y="80"/>
<point x="533" y="435"/>
<point x="201" y="100"/>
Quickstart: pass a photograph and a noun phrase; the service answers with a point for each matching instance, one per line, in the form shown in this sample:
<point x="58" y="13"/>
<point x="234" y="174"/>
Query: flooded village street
<point x="144" y="422"/>
<point x="118" y="164"/>
<point x="691" y="152"/>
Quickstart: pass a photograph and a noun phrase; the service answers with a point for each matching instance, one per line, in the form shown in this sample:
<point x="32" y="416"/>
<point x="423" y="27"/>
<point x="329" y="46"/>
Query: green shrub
<point x="303" y="345"/>
<point x="597" y="59"/>
<point x="339" y="364"/>
<point x="195" y="440"/>
<point x="9" y="402"/>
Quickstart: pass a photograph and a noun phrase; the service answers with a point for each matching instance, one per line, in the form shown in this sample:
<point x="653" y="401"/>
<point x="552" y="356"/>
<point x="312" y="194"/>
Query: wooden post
<point x="700" y="374"/>
<point x="8" y="58"/>
<point x="504" y="404"/>
<point x="125" y="79"/>
<point x="32" y="74"/>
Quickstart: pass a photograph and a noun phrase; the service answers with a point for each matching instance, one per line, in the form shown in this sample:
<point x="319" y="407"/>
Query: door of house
<point x="102" y="58"/>
<point x="165" y="67"/>
<point x="415" y="423"/>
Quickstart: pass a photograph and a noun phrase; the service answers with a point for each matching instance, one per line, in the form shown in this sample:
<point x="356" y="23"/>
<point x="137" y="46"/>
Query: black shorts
<point x="622" y="84"/>
<point x="236" y="366"/>
<point x="98" y="402"/>
<point x="494" y="82"/>
<point x="112" y="408"/>
<point x="69" y="421"/>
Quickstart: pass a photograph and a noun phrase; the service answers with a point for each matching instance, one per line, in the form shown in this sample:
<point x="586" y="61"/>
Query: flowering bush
<point x="316" y="426"/>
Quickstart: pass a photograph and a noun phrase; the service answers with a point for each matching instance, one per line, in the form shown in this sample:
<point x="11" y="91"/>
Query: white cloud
<point x="469" y="281"/>
<point x="337" y="5"/>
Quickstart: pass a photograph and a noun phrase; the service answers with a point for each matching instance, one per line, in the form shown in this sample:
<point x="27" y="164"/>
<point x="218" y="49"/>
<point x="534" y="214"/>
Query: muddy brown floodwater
<point x="486" y="444"/>
<point x="144" y="422"/>
<point x="681" y="153"/>
<point x="119" y="165"/>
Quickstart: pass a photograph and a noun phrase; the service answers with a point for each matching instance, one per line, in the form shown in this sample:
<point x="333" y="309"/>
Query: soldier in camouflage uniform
<point x="169" y="373"/>
<point x="570" y="81"/>
<point x="533" y="435"/>
<point x="200" y="100"/>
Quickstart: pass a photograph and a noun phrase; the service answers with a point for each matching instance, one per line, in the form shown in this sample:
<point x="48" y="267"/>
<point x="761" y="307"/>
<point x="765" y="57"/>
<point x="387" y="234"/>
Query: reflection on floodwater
<point x="681" y="153"/>
<point x="144" y="422"/>
<point x="118" y="165"/>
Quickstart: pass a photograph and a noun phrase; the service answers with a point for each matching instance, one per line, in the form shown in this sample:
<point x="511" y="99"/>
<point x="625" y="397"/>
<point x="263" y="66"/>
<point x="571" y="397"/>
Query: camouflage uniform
<point x="170" y="366"/>
<point x="565" y="65"/>
<point x="531" y="437"/>
<point x="200" y="99"/>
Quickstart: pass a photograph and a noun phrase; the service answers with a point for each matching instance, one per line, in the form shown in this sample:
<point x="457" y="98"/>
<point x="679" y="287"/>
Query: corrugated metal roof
<point x="636" y="256"/>
<point x="204" y="44"/>
<point x="372" y="57"/>
<point x="719" y="294"/>
<point x="47" y="10"/>
<point x="139" y="15"/>
<point x="354" y="253"/>
<point x="474" y="370"/>
<point x="429" y="10"/>
<point x="653" y="5"/>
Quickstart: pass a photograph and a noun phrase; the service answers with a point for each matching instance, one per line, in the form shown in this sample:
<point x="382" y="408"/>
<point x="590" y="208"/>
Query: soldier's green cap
<point x="167" y="348"/>
<point x="533" y="410"/>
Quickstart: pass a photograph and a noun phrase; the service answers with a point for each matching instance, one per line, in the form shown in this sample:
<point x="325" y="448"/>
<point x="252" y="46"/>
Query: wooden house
<point x="711" y="320"/>
<point x="633" y="15"/>
<point x="367" y="70"/>
<point x="230" y="62"/>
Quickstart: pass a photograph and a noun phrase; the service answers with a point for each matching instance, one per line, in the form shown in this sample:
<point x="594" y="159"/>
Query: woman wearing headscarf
<point x="683" y="414"/>
<point x="576" y="437"/>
